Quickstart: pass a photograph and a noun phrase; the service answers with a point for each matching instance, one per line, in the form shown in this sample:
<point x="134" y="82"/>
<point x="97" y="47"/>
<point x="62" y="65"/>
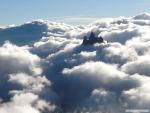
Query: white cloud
<point x="31" y="82"/>
<point x="45" y="66"/>
<point x="24" y="103"/>
<point x="80" y="20"/>
<point x="18" y="60"/>
<point x="139" y="96"/>
<point x="142" y="16"/>
<point x="140" y="66"/>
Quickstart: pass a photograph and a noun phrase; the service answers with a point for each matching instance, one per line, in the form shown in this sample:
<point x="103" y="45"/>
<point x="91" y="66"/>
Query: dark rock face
<point x="92" y="40"/>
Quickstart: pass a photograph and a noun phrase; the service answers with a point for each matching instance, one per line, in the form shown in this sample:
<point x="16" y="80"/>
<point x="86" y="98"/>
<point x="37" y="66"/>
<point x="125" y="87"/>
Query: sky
<point x="69" y="11"/>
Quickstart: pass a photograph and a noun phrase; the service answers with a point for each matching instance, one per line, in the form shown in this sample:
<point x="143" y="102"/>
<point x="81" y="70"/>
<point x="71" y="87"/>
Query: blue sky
<point x="19" y="11"/>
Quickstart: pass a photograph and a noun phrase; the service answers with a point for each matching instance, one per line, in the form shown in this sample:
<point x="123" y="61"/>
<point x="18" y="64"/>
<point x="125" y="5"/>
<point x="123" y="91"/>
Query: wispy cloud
<point x="75" y="20"/>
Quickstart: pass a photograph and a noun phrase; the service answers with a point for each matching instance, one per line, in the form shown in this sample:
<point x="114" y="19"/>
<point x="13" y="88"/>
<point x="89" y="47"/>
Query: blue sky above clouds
<point x="18" y="11"/>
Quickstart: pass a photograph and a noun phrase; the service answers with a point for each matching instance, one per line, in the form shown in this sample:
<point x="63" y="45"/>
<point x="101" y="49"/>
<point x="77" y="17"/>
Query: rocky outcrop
<point x="92" y="39"/>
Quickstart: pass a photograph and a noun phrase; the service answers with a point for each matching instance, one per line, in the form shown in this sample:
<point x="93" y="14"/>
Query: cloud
<point x="34" y="83"/>
<point x="22" y="78"/>
<point x="138" y="97"/>
<point x="142" y="16"/>
<point x="139" y="66"/>
<point x="80" y="20"/>
<point x="45" y="68"/>
<point x="18" y="59"/>
<point x="25" y="103"/>
<point x="100" y="73"/>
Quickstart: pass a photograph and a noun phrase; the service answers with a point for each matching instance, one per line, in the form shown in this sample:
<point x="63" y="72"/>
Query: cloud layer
<point x="45" y="68"/>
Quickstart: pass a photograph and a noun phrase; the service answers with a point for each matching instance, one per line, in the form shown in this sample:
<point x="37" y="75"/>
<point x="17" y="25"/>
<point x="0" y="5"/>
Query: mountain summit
<point x="92" y="39"/>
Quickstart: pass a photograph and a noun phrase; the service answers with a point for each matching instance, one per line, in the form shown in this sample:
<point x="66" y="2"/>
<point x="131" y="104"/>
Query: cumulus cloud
<point x="34" y="83"/>
<point x="18" y="59"/>
<point x="20" y="78"/>
<point x="45" y="68"/>
<point x="139" y="66"/>
<point x="25" y="103"/>
<point x="100" y="73"/>
<point x="142" y="16"/>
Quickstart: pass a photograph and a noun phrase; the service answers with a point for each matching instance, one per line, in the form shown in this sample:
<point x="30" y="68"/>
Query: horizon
<point x="74" y="21"/>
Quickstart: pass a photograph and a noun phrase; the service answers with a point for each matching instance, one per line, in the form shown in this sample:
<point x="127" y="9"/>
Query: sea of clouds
<point x="44" y="68"/>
